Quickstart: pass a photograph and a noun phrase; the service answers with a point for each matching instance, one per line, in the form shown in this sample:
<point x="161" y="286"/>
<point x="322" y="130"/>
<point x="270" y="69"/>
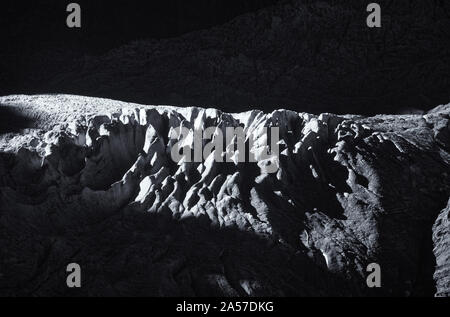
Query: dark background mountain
<point x="108" y="24"/>
<point x="304" y="55"/>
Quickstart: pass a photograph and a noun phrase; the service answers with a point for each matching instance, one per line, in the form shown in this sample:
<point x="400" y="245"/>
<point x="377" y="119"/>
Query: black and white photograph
<point x="242" y="151"/>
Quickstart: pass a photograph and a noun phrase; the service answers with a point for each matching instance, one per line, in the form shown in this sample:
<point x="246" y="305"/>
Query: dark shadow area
<point x="12" y="120"/>
<point x="405" y="231"/>
<point x="312" y="56"/>
<point x="425" y="283"/>
<point x="108" y="24"/>
<point x="134" y="254"/>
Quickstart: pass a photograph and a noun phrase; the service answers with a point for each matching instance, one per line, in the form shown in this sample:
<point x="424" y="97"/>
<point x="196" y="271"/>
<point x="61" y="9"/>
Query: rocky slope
<point x="91" y="181"/>
<point x="441" y="236"/>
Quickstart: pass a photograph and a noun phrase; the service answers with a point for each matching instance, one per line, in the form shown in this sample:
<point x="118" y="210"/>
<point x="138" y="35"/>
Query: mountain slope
<point x="91" y="181"/>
